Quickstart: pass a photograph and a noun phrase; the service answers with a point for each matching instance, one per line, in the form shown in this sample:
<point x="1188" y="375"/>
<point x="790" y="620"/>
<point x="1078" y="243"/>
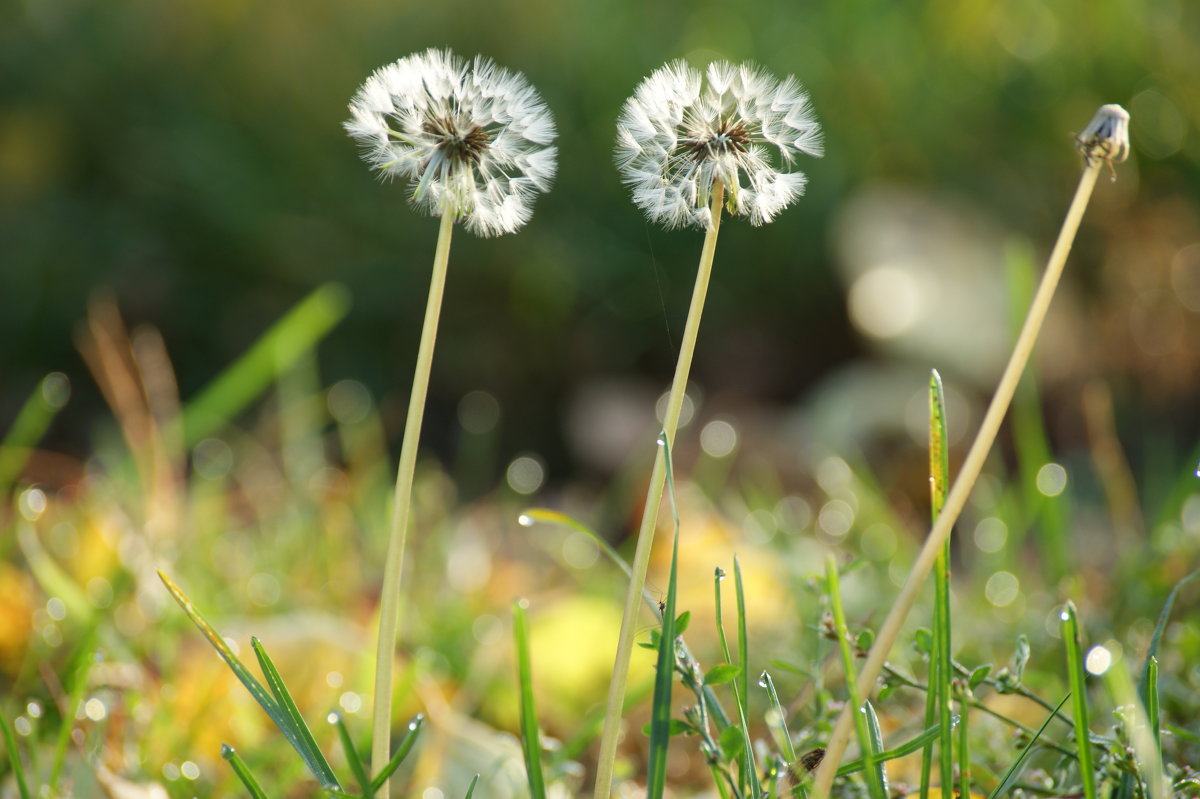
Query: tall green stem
<point x="641" y="557"/>
<point x="965" y="481"/>
<point x="381" y="734"/>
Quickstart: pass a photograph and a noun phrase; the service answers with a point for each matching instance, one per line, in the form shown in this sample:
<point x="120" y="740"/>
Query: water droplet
<point x="332" y="718"/>
<point x="720" y="573"/>
<point x="525" y="520"/>
<point x="763" y="680"/>
<point x="227" y="751"/>
<point x="416" y="722"/>
<point x="1064" y="615"/>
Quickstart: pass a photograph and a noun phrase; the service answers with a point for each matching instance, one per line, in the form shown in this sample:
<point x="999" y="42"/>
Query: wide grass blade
<point x="1014" y="771"/>
<point x="530" y="739"/>
<point x="357" y="767"/>
<point x="282" y="717"/>
<point x="269" y="357"/>
<point x="1083" y="745"/>
<point x="32" y="421"/>
<point x="14" y="757"/>
<point x="406" y="744"/>
<point x="876" y="742"/>
<point x="243" y="772"/>
<point x="874" y="784"/>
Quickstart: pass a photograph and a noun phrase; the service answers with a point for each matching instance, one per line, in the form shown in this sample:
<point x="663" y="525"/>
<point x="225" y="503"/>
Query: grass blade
<point x="1014" y="771"/>
<point x="742" y="686"/>
<point x="664" y="677"/>
<point x="876" y="742"/>
<point x="14" y="757"/>
<point x="280" y="347"/>
<point x="1070" y="634"/>
<point x="286" y="724"/>
<point x="27" y="429"/>
<point x="406" y="744"/>
<point x="357" y="767"/>
<point x="1153" y="716"/>
<point x="530" y="738"/>
<point x="874" y="785"/>
<point x="1142" y="725"/>
<point x="779" y="730"/>
<point x="243" y="772"/>
<point x="298" y="730"/>
<point x="903" y="750"/>
<point x="79" y="685"/>
<point x="471" y="787"/>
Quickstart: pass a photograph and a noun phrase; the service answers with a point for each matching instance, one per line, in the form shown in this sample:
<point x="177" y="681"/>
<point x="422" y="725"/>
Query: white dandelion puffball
<point x="680" y="132"/>
<point x="472" y="139"/>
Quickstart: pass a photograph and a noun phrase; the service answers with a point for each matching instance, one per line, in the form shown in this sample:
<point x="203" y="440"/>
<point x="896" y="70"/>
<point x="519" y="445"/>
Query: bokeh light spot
<point x="525" y="474"/>
<point x="349" y="402"/>
<point x="478" y="412"/>
<point x="1098" y="660"/>
<point x="718" y="438"/>
<point x="1051" y="479"/>
<point x="885" y="302"/>
<point x="991" y="534"/>
<point x="1002" y="588"/>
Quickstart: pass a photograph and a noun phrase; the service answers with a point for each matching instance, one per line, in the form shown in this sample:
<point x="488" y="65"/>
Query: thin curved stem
<point x="389" y="609"/>
<point x="966" y="478"/>
<point x="641" y="557"/>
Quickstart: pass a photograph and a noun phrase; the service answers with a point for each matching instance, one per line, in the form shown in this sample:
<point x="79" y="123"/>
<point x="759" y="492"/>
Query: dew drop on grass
<point x="762" y="680"/>
<point x="332" y="718"/>
<point x="525" y="520"/>
<point x="416" y="722"/>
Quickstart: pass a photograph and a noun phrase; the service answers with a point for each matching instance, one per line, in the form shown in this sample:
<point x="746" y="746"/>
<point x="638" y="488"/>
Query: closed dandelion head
<point x="1106" y="137"/>
<point x="472" y="139"/>
<point x="681" y="132"/>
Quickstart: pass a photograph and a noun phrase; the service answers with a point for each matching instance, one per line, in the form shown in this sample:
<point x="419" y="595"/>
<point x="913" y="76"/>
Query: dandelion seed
<point x="473" y="139"/>
<point x="1106" y="137"/>
<point x="679" y="133"/>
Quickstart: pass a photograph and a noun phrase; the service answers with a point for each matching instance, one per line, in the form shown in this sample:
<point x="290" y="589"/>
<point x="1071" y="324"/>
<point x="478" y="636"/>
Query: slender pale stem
<point x="641" y="556"/>
<point x="966" y="478"/>
<point x="381" y="734"/>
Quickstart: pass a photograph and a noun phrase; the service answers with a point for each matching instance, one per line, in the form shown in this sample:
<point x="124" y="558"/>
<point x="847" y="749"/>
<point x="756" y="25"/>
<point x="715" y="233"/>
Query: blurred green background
<point x="189" y="159"/>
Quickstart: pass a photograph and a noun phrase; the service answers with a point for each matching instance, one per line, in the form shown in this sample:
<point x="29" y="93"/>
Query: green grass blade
<point x="876" y="740"/>
<point x="32" y="421"/>
<point x="14" y="757"/>
<point x="297" y="729"/>
<point x="1153" y="714"/>
<point x="937" y="700"/>
<point x="530" y="739"/>
<point x="874" y="785"/>
<point x="1142" y="725"/>
<point x="660" y="709"/>
<point x="1083" y="746"/>
<point x="903" y="750"/>
<point x="357" y="767"/>
<point x="243" y="772"/>
<point x="78" y="686"/>
<point x="718" y="578"/>
<point x="278" y="714"/>
<point x="964" y="749"/>
<point x="779" y="730"/>
<point x="471" y="788"/>
<point x="742" y="687"/>
<point x="280" y="347"/>
<point x="406" y="745"/>
<point x="1014" y="771"/>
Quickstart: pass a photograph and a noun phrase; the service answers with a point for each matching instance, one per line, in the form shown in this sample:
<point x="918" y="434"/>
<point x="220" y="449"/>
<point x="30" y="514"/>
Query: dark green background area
<point x="189" y="157"/>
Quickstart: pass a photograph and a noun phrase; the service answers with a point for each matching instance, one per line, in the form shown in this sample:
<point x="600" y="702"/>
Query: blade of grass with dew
<point x="298" y="727"/>
<point x="1083" y="745"/>
<point x="972" y="466"/>
<point x="606" y="759"/>
<point x="964" y="748"/>
<point x="51" y="395"/>
<point x="874" y="785"/>
<point x="14" y="758"/>
<point x="243" y="772"/>
<point x="741" y="693"/>
<point x="266" y="701"/>
<point x="876" y="743"/>
<point x="273" y="353"/>
<point x="1142" y="726"/>
<point x="1014" y="770"/>
<point x="664" y="677"/>
<point x="779" y="730"/>
<point x="406" y="745"/>
<point x="357" y="766"/>
<point x="530" y="738"/>
<point x="903" y="750"/>
<point x="471" y="788"/>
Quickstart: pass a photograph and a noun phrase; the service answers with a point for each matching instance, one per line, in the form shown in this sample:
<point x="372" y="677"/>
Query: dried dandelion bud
<point x="1106" y="137"/>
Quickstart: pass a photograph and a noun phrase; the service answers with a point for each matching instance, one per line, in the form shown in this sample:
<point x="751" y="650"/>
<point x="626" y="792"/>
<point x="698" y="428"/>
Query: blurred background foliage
<point x="188" y="158"/>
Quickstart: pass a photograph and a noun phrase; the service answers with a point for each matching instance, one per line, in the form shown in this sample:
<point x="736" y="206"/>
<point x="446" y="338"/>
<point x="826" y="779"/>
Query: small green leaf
<point x="864" y="640"/>
<point x="732" y="742"/>
<point x="682" y="622"/>
<point x="719" y="675"/>
<point x="923" y="641"/>
<point x="677" y="727"/>
<point x="978" y="675"/>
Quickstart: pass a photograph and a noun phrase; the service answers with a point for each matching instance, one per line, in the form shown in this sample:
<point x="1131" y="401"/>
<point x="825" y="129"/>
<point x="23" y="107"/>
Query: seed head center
<point x="457" y="145"/>
<point x="726" y="136"/>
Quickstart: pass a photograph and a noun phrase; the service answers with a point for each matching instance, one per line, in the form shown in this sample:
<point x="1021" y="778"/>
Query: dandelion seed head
<point x="471" y="138"/>
<point x="680" y="132"/>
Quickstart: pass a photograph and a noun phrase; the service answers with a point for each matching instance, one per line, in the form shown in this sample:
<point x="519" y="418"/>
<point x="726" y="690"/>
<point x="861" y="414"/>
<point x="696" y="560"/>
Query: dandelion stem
<point x="965" y="481"/>
<point x="381" y="735"/>
<point x="641" y="557"/>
